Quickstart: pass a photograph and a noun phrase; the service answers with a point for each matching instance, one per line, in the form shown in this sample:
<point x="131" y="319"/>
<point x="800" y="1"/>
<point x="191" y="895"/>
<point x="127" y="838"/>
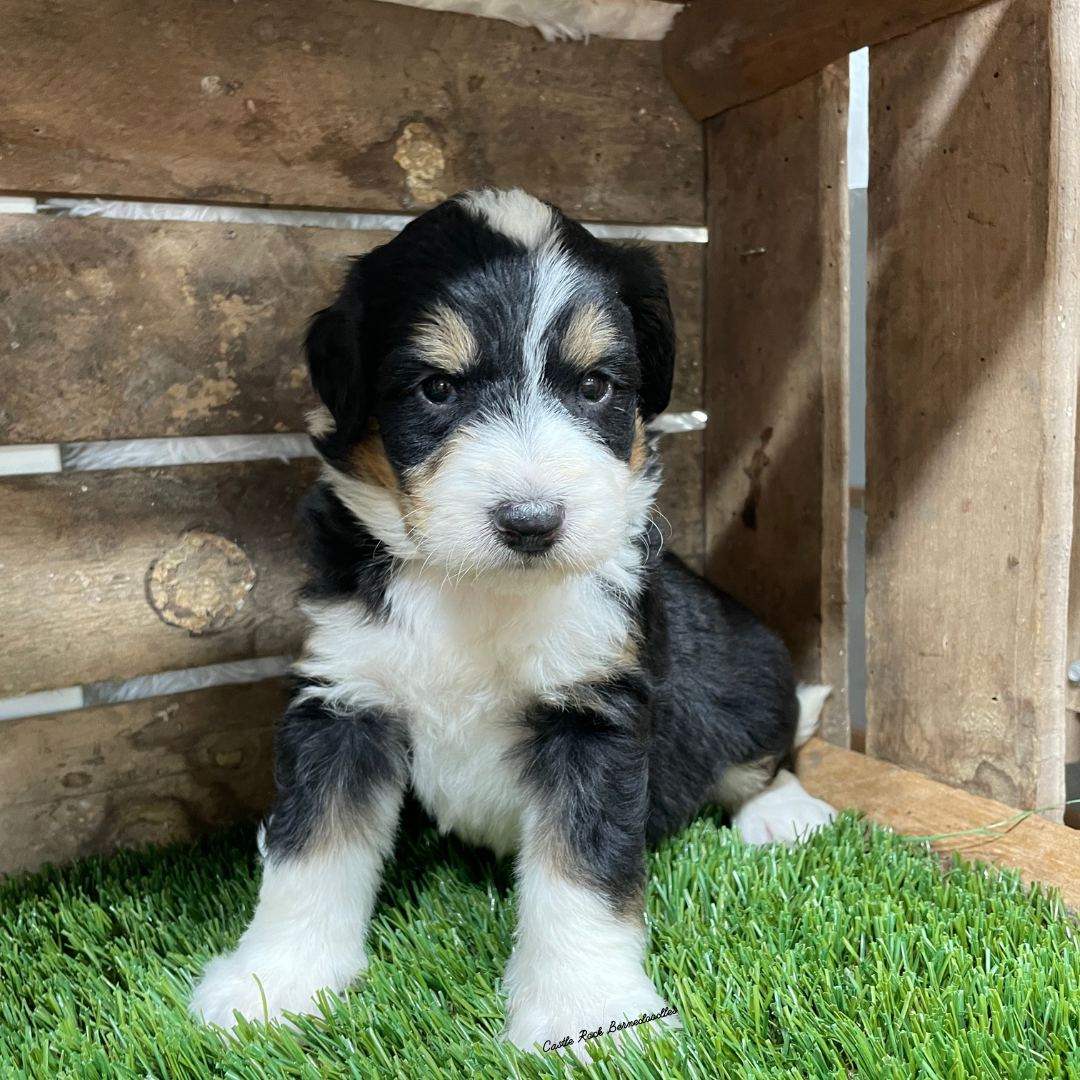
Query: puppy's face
<point x="487" y="376"/>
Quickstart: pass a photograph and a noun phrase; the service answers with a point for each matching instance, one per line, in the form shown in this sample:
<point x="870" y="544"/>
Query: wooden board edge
<point x="913" y="805"/>
<point x="835" y="434"/>
<point x="698" y="50"/>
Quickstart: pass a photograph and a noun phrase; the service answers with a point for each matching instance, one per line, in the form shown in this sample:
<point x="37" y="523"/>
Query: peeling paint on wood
<point x="137" y="329"/>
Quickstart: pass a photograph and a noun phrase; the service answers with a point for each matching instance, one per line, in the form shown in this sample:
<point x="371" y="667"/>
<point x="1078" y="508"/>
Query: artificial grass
<point x="855" y="955"/>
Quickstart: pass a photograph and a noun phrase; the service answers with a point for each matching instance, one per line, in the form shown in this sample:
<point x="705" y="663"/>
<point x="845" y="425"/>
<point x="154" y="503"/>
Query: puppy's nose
<point x="528" y="526"/>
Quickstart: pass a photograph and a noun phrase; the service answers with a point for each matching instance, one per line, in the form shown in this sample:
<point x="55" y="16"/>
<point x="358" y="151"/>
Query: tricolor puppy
<point x="493" y="625"/>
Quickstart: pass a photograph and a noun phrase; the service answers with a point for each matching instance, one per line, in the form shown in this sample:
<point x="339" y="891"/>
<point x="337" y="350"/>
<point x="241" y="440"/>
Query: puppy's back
<point x="727" y="699"/>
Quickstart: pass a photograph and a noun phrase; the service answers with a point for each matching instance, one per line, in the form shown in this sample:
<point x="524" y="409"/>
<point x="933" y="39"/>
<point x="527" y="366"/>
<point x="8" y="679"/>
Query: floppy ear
<point x="644" y="291"/>
<point x="338" y="371"/>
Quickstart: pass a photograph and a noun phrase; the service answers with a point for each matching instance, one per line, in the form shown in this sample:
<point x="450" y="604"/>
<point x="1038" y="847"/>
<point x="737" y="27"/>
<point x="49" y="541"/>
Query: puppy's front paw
<point x="570" y="1022"/>
<point x="261" y="984"/>
<point x="784" y="811"/>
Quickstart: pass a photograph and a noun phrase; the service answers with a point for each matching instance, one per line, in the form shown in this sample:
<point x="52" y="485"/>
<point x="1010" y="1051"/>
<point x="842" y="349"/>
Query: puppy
<point x="492" y="623"/>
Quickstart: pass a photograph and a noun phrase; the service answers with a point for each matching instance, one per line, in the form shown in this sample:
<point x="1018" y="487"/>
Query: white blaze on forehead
<point x="556" y="281"/>
<point x="515" y="214"/>
<point x="533" y="224"/>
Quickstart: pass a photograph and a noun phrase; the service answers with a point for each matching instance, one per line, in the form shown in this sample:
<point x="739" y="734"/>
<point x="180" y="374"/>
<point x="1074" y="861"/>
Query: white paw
<point x="784" y="811"/>
<point x="571" y="1022"/>
<point x="261" y="984"/>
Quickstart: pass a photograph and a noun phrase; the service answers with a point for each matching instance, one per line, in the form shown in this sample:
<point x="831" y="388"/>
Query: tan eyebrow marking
<point x="588" y="336"/>
<point x="639" y="449"/>
<point x="446" y="342"/>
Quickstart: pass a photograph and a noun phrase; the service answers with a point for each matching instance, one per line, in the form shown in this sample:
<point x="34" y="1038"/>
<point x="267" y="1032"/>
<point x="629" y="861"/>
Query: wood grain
<point x="776" y="371"/>
<point x="722" y="53"/>
<point x="913" y="805"/>
<point x="132" y="329"/>
<point x="681" y="500"/>
<point x="971" y="391"/>
<point x="138" y="329"/>
<point x="76" y="551"/>
<point x="161" y="770"/>
<point x="109" y="575"/>
<point x="336" y="103"/>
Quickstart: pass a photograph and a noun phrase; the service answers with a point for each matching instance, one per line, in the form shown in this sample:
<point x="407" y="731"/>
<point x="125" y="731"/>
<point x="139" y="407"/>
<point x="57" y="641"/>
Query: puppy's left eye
<point x="439" y="389"/>
<point x="594" y="388"/>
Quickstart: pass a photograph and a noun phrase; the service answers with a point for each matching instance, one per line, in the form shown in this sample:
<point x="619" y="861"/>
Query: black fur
<point x="364" y="369"/>
<point x="588" y="762"/>
<point x="343" y="557"/>
<point x="624" y="760"/>
<point x="324" y="754"/>
<point x="727" y="692"/>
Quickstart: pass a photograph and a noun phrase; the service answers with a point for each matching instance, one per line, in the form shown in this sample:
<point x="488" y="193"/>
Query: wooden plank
<point x="681" y="501"/>
<point x="161" y="770"/>
<point x="137" y="329"/>
<point x="1043" y="851"/>
<point x="723" y="53"/>
<point x="132" y="329"/>
<point x="109" y="575"/>
<point x="776" y="346"/>
<point x="971" y="390"/>
<point x="338" y="103"/>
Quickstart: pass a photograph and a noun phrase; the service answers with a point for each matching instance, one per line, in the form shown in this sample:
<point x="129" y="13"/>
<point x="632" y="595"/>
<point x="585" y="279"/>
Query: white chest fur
<point x="458" y="663"/>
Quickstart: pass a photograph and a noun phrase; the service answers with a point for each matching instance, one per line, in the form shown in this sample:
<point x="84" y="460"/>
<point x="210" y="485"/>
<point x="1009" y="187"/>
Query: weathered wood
<point x="971" y="391"/>
<point x="109" y="575"/>
<point x="1043" y="851"/>
<point x="137" y="329"/>
<point x="160" y="770"/>
<point x="722" y="53"/>
<point x="681" y="498"/>
<point x="131" y="329"/>
<point x="776" y="346"/>
<point x="680" y="502"/>
<point x="336" y="103"/>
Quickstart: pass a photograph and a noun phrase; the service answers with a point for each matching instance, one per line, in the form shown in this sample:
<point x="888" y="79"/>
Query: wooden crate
<point x="133" y="329"/>
<point x="972" y="351"/>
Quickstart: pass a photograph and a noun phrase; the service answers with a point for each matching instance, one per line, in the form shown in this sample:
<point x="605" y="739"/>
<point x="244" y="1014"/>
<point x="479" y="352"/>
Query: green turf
<point x="853" y="956"/>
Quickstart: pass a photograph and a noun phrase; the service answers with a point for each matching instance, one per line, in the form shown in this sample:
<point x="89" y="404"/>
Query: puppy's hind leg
<point x="340" y="777"/>
<point x="767" y="807"/>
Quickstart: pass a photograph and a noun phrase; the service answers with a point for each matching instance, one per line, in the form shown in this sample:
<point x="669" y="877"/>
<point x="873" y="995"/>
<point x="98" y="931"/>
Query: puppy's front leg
<point x="577" y="965"/>
<point x="340" y="776"/>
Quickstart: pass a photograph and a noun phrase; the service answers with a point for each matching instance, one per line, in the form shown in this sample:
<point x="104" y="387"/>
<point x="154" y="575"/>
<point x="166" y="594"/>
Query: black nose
<point x="528" y="526"/>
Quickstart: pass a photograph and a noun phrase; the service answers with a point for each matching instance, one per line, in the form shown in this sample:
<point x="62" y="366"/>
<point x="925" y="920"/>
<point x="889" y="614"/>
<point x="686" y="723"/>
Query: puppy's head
<point x="487" y="376"/>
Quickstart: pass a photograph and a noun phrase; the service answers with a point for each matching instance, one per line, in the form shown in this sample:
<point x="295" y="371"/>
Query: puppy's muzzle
<point x="529" y="527"/>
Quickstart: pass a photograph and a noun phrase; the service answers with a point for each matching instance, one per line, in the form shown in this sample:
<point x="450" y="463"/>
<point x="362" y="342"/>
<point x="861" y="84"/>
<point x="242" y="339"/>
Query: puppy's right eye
<point x="439" y="390"/>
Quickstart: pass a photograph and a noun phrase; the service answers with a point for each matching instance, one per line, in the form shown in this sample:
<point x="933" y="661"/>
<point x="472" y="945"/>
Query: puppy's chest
<point x="461" y="670"/>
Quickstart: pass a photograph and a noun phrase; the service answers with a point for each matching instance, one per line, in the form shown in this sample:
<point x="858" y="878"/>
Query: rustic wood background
<point x="971" y="391"/>
<point x="776" y="371"/>
<point x="129" y="329"/>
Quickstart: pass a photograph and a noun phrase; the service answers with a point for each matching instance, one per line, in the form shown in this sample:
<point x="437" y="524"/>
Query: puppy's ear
<point x="335" y="359"/>
<point x="644" y="291"/>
